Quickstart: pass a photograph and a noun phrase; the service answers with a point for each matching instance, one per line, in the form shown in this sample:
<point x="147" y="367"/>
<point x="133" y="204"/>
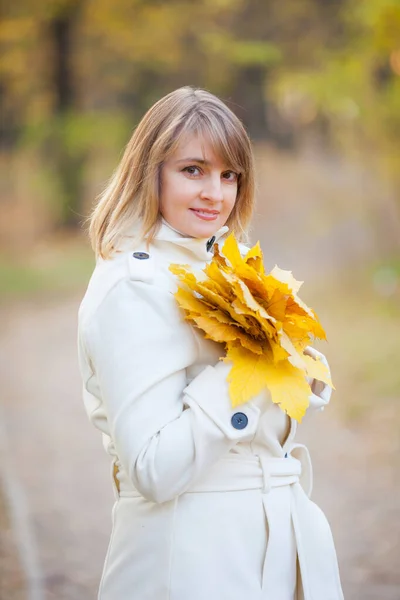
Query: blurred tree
<point x="41" y="91"/>
<point x="69" y="165"/>
<point x="76" y="75"/>
<point x="354" y="86"/>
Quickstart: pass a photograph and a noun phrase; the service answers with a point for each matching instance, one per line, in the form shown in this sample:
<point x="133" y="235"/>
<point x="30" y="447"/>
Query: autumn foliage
<point x="261" y="320"/>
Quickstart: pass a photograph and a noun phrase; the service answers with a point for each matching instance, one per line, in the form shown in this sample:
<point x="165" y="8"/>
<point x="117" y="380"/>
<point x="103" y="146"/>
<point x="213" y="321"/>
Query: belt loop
<point x="266" y="473"/>
<point x="301" y="453"/>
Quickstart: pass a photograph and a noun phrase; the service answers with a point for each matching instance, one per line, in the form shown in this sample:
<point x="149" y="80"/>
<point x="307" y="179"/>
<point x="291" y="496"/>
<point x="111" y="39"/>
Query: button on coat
<point x="239" y="420"/>
<point x="140" y="255"/>
<point x="210" y="243"/>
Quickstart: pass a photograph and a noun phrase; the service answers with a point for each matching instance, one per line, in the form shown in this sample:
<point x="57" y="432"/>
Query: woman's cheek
<point x="232" y="198"/>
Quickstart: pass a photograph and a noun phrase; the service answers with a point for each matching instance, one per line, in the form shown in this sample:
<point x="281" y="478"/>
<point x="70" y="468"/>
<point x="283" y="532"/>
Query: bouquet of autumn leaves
<point x="263" y="323"/>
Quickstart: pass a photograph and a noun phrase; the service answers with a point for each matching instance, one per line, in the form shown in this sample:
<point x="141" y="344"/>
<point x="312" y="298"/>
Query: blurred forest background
<point x="317" y="84"/>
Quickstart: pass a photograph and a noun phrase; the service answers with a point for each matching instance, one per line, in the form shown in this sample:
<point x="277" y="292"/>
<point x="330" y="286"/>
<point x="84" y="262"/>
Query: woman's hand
<point x="321" y="392"/>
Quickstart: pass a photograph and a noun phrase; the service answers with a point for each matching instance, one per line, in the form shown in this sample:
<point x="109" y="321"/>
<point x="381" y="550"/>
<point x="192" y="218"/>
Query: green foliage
<point x="355" y="86"/>
<point x="68" y="144"/>
<point x="256" y="53"/>
<point x="60" y="271"/>
<point x="79" y="133"/>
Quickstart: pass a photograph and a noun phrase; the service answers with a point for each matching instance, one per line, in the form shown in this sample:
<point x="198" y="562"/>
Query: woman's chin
<point x="204" y="229"/>
<point x="203" y="232"/>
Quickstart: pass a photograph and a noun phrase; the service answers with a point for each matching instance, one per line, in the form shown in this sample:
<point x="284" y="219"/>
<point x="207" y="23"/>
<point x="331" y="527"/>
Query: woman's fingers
<point x="321" y="392"/>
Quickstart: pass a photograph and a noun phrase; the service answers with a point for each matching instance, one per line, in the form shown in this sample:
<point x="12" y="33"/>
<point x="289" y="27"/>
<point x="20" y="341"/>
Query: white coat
<point x="204" y="510"/>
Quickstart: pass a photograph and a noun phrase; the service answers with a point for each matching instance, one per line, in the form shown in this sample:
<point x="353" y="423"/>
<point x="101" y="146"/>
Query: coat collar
<point x="201" y="247"/>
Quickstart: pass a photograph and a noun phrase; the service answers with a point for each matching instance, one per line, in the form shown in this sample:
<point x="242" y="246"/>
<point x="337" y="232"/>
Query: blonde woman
<point x="212" y="503"/>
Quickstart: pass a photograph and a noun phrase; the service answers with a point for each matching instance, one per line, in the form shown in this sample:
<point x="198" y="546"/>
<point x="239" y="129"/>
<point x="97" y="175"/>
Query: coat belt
<point x="235" y="472"/>
<point x="231" y="474"/>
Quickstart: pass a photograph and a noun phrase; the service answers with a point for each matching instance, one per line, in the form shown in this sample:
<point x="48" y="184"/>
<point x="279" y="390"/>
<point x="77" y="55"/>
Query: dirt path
<point x="60" y="474"/>
<point x="55" y="455"/>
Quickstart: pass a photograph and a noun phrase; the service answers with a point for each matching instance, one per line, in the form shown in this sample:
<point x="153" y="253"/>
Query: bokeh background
<point x="317" y="83"/>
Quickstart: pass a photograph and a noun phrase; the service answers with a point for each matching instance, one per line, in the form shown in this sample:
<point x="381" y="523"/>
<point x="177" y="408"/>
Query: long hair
<point x="132" y="195"/>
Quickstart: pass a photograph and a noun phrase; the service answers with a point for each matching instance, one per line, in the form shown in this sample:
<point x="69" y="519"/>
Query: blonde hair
<point x="133" y="192"/>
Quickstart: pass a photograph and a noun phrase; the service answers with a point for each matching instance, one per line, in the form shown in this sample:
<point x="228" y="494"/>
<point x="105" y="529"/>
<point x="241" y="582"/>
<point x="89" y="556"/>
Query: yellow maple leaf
<point x="240" y="308"/>
<point x="190" y="302"/>
<point x="222" y="332"/>
<point x="214" y="273"/>
<point x="219" y="315"/>
<point x="286" y="277"/>
<point x="295" y="357"/>
<point x="216" y="299"/>
<point x="247" y="376"/>
<point x="219" y="259"/>
<point x="276" y="306"/>
<point x="278" y="352"/>
<point x="317" y="370"/>
<point x="271" y="284"/>
<point x="288" y="388"/>
<point x="183" y="273"/>
<point x="254" y="281"/>
<point x="231" y="251"/>
<point x="254" y="258"/>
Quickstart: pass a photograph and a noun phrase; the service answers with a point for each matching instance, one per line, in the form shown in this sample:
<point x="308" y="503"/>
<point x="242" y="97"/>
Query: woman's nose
<point x="212" y="189"/>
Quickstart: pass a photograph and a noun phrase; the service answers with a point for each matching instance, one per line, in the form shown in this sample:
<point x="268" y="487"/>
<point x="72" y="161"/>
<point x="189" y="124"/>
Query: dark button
<point x="239" y="420"/>
<point x="140" y="255"/>
<point x="210" y="243"/>
<point x="286" y="455"/>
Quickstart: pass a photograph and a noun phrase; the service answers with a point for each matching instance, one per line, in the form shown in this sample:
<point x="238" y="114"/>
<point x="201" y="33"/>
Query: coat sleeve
<point x="166" y="433"/>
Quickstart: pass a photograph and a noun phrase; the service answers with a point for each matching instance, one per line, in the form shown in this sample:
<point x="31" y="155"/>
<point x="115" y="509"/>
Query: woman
<point x="211" y="502"/>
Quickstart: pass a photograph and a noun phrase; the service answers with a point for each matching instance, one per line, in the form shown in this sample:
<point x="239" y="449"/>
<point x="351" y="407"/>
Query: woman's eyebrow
<point x="202" y="161"/>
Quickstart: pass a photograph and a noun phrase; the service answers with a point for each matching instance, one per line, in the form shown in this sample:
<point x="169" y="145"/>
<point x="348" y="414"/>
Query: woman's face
<point x="198" y="191"/>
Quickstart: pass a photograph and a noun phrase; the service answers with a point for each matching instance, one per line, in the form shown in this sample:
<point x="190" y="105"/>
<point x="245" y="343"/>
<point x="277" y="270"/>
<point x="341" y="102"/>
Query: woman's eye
<point x="192" y="170"/>
<point x="230" y="176"/>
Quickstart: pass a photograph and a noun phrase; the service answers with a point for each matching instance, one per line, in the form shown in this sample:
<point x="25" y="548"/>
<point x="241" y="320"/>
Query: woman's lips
<point x="205" y="215"/>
